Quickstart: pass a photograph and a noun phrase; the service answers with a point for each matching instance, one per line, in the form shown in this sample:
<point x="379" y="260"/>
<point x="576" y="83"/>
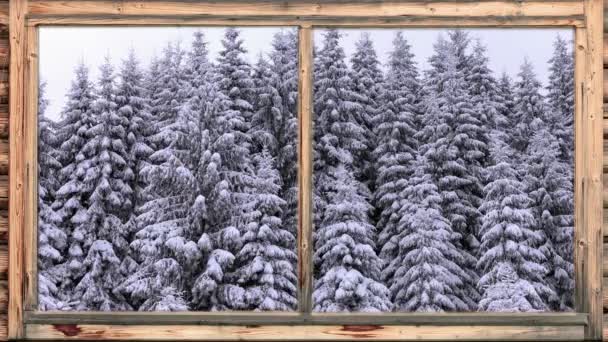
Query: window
<point x="306" y="170"/>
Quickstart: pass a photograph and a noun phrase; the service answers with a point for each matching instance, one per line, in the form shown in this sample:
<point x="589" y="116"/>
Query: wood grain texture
<point x="30" y="241"/>
<point x="593" y="141"/>
<point x="351" y="21"/>
<point x="304" y="333"/>
<point x="17" y="10"/>
<point x="305" y="169"/>
<point x="37" y="8"/>
<point x="580" y="234"/>
<point x="300" y="319"/>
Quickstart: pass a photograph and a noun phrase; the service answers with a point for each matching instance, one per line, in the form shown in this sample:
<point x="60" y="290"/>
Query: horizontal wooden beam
<point x="302" y="333"/>
<point x="294" y="318"/>
<point x="325" y="21"/>
<point x="461" y="9"/>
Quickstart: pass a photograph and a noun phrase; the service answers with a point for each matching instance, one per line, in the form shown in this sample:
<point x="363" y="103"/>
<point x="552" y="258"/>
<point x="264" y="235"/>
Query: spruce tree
<point x="275" y="123"/>
<point x="529" y="105"/>
<point x="508" y="261"/>
<point x="367" y="81"/>
<point x="70" y="198"/>
<point x="347" y="269"/>
<point x="395" y="153"/>
<point x="560" y="97"/>
<point x="451" y="142"/>
<point x="344" y="236"/>
<point x="52" y="240"/>
<point x="230" y="169"/>
<point x="105" y="180"/>
<point x="265" y="265"/>
<point x="162" y="225"/>
<point x="548" y="181"/>
<point x="427" y="273"/>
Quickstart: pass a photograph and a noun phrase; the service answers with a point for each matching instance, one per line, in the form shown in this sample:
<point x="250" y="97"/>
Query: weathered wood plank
<point x="30" y="243"/>
<point x="307" y="8"/>
<point x="17" y="10"/>
<point x="593" y="141"/>
<point x="296" y="318"/>
<point x="351" y="21"/>
<point x="580" y="234"/>
<point x="303" y="333"/>
<point x="305" y="169"/>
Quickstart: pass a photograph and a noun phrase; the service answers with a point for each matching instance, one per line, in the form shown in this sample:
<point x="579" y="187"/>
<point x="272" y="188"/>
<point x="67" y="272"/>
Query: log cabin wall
<point x="4" y="64"/>
<point x="4" y="67"/>
<point x="605" y="228"/>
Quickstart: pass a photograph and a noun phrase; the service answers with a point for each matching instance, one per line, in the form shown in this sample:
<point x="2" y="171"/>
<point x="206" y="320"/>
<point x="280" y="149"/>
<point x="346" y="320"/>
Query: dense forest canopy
<point x="174" y="187"/>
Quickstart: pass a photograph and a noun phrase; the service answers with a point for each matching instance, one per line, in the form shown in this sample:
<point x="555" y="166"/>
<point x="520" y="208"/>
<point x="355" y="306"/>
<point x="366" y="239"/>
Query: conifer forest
<point x="171" y="184"/>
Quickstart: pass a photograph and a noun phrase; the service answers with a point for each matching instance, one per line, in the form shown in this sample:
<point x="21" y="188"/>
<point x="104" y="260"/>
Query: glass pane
<point x="443" y="170"/>
<point x="167" y="179"/>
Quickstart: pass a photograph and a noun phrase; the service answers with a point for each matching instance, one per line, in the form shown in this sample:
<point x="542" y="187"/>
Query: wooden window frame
<point x="584" y="16"/>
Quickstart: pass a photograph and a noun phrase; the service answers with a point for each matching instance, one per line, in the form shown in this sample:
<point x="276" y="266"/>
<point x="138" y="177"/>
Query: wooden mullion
<point x="580" y="234"/>
<point x="305" y="243"/>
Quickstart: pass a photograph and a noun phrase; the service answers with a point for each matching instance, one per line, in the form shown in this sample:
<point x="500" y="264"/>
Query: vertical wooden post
<point x="17" y="9"/>
<point x="592" y="201"/>
<point x="580" y="233"/>
<point x="30" y="188"/>
<point x="305" y="171"/>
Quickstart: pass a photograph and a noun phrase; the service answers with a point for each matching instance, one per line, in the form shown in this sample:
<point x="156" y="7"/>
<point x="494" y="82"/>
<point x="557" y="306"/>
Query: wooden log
<point x="3" y="296"/>
<point x="301" y="333"/>
<point x="38" y="8"/>
<point x="3" y="226"/>
<point x="3" y="262"/>
<point x="3" y="327"/>
<point x="605" y="50"/>
<point x="606" y="85"/>
<point x="605" y="294"/>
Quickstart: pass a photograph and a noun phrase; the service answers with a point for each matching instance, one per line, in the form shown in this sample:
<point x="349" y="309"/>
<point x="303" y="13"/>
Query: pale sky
<point x="61" y="48"/>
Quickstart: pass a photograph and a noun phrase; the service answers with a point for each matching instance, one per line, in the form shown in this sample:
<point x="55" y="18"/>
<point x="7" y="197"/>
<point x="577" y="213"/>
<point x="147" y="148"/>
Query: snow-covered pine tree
<point x="347" y="269"/>
<point x="427" y="276"/>
<point x="367" y="81"/>
<point x="338" y="139"/>
<point x="132" y="106"/>
<point x="337" y="136"/>
<point x="51" y="239"/>
<point x="451" y="142"/>
<point x="395" y="153"/>
<point x="560" y="97"/>
<point x="529" y="105"/>
<point x="265" y="265"/>
<point x="104" y="177"/>
<point x="483" y="89"/>
<point x="274" y="123"/>
<point x="505" y="110"/>
<point x="70" y="199"/>
<point x="507" y="262"/>
<point x="230" y="170"/>
<point x="161" y="244"/>
<point x="548" y="181"/>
